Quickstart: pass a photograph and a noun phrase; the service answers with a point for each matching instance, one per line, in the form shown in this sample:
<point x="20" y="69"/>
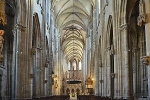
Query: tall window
<point x="74" y="65"/>
<point x="68" y="65"/>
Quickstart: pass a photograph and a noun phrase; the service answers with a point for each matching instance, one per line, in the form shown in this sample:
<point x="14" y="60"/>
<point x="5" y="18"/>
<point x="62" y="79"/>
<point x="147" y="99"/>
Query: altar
<point x="73" y="96"/>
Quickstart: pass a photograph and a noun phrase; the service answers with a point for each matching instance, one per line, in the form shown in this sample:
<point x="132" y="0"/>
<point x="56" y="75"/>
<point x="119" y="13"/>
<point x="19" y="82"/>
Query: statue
<point x="66" y="74"/>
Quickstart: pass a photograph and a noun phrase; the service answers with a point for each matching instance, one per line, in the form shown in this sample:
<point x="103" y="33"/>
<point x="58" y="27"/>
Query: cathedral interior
<point x="59" y="49"/>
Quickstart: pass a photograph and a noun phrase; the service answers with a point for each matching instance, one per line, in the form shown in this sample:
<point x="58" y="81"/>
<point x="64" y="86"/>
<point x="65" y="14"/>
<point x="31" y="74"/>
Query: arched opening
<point x="74" y="65"/>
<point x="8" y="48"/>
<point x="111" y="62"/>
<point x="78" y="91"/>
<point x="67" y="91"/>
<point x="100" y="65"/>
<point x="72" y="91"/>
<point x="47" y="70"/>
<point x="137" y="49"/>
<point x="36" y="47"/>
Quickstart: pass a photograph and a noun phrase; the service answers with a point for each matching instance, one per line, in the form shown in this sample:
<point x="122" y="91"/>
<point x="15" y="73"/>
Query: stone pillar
<point x="88" y="55"/>
<point x="19" y="65"/>
<point x="96" y="66"/>
<point x="46" y="86"/>
<point x="50" y="75"/>
<point x="96" y="75"/>
<point x="146" y="61"/>
<point x="51" y="59"/>
<point x="84" y="70"/>
<point x="125" y="67"/>
<point x="147" y="26"/>
<point x="144" y="18"/>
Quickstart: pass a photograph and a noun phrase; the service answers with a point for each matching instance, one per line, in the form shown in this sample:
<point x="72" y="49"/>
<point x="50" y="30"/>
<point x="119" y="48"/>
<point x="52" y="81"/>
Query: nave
<point x="86" y="49"/>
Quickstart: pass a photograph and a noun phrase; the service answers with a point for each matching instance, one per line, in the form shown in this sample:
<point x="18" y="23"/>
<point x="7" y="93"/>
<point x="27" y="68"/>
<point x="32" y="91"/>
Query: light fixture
<point x="89" y="85"/>
<point x="54" y="80"/>
<point x="55" y="84"/>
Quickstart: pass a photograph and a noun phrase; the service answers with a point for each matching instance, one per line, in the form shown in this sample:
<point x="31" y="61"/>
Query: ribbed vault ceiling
<point x="72" y="19"/>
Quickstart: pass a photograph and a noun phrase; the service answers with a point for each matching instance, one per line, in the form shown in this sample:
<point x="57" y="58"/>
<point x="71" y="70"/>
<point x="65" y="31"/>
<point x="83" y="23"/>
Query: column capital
<point x="19" y="27"/>
<point x="101" y="81"/>
<point x="33" y="51"/>
<point x="31" y="75"/>
<point x="125" y="27"/>
<point x="145" y="60"/>
<point x="112" y="75"/>
<point x="141" y="19"/>
<point x="111" y="50"/>
<point x="46" y="65"/>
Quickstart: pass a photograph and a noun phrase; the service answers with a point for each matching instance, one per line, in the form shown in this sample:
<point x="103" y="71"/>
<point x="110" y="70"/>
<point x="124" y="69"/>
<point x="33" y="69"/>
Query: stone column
<point x="51" y="58"/>
<point x="96" y="65"/>
<point x="84" y="70"/>
<point x="125" y="67"/>
<point x="19" y="62"/>
<point x="146" y="61"/>
<point x="46" y="86"/>
<point x="147" y="26"/>
<point x="50" y="74"/>
<point x="96" y="72"/>
<point x="144" y="18"/>
<point x="88" y="46"/>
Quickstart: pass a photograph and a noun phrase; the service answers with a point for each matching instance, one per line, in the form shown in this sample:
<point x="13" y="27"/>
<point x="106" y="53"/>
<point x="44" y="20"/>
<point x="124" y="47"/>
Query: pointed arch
<point x="109" y="29"/>
<point x="36" y="54"/>
<point x="36" y="36"/>
<point x="110" y="54"/>
<point x="128" y="7"/>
